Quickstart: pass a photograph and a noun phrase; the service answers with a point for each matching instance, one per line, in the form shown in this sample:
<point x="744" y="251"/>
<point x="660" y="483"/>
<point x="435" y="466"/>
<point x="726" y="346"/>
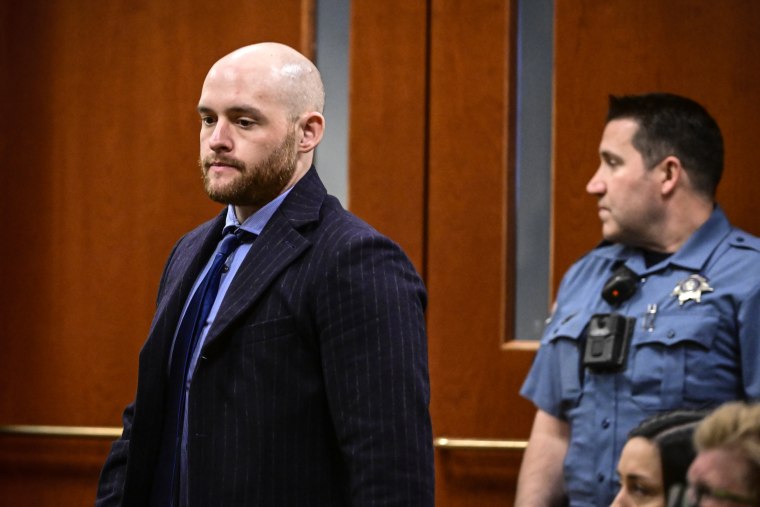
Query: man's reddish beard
<point x="255" y="185"/>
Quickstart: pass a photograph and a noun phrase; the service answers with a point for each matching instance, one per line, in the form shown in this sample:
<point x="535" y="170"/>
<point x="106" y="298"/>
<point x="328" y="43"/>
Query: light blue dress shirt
<point x="684" y="353"/>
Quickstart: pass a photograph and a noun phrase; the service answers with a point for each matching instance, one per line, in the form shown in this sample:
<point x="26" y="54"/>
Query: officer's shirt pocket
<point x="564" y="334"/>
<point x="671" y="363"/>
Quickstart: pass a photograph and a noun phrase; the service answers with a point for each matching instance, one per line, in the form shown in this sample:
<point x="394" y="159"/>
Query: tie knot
<point x="233" y="239"/>
<point x="244" y="236"/>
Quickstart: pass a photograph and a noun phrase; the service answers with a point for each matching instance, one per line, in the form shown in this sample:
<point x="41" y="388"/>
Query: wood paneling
<point x="387" y="139"/>
<point x="475" y="378"/>
<point x="100" y="179"/>
<point x="40" y="472"/>
<point x="704" y="50"/>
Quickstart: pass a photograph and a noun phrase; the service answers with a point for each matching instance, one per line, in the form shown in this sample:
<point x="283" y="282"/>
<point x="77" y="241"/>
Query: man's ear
<point x="672" y="173"/>
<point x="311" y="128"/>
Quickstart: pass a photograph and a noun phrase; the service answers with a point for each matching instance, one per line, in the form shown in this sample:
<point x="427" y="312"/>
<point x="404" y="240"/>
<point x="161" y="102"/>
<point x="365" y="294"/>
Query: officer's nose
<point x="595" y="185"/>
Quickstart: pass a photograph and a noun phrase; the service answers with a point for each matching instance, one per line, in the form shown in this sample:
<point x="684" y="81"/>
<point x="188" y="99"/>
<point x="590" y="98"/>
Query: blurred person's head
<point x="726" y="471"/>
<point x="660" y="162"/>
<point x="655" y="459"/>
<point x="669" y="124"/>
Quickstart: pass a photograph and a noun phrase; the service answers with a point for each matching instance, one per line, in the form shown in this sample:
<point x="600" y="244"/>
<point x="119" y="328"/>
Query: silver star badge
<point x="691" y="289"/>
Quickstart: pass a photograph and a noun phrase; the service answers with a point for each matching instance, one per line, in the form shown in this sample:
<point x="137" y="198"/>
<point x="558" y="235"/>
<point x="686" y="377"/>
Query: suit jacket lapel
<point x="279" y="244"/>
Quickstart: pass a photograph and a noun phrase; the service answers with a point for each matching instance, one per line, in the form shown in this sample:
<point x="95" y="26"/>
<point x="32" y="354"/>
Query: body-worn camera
<point x="608" y="339"/>
<point x="620" y="286"/>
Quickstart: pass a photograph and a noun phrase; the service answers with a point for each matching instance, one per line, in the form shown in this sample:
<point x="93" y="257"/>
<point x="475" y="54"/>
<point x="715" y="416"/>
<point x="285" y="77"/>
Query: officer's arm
<point x="540" y="483"/>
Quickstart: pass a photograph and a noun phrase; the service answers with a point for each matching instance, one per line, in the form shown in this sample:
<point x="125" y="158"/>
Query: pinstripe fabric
<point x="312" y="388"/>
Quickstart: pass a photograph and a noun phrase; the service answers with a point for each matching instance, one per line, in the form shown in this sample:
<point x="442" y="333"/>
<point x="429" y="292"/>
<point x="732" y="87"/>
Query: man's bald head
<point x="293" y="77"/>
<point x="261" y="119"/>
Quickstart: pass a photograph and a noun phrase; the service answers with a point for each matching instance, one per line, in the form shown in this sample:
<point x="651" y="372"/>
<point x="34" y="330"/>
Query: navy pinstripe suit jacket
<point x="312" y="388"/>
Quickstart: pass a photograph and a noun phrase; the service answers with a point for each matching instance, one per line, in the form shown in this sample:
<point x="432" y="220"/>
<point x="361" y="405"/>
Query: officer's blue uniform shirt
<point x="686" y="354"/>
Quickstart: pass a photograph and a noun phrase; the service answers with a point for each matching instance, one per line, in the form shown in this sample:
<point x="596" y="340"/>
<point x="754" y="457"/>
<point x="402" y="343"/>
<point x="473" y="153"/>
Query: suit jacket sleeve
<point x="111" y="483"/>
<point x="374" y="355"/>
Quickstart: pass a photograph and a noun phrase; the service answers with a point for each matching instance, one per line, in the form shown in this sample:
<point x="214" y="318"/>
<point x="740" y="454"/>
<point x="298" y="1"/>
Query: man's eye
<point x="245" y="122"/>
<point x="207" y="120"/>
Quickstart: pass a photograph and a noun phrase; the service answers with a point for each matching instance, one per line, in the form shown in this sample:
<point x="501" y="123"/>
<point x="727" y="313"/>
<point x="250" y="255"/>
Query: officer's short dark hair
<point x="678" y="126"/>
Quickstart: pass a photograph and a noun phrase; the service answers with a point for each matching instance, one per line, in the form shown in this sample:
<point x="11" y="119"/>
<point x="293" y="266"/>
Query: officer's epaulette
<point x="741" y="239"/>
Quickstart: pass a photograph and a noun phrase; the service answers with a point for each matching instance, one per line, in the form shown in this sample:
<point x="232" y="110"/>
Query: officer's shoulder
<point x="743" y="240"/>
<point x="598" y="259"/>
<point x="604" y="250"/>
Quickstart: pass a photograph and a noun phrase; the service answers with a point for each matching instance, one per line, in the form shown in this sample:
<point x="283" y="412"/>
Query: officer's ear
<point x="672" y="174"/>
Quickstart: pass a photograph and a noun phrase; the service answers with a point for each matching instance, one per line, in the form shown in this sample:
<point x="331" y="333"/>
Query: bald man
<point x="286" y="364"/>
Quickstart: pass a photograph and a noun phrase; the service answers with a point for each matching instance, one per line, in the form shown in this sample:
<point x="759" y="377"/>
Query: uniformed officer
<point x="664" y="314"/>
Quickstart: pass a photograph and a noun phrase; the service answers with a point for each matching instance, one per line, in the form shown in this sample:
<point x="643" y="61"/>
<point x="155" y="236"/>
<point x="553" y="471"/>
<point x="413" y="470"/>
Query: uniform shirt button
<point x="671" y="333"/>
<point x="605" y="423"/>
<point x="600" y="477"/>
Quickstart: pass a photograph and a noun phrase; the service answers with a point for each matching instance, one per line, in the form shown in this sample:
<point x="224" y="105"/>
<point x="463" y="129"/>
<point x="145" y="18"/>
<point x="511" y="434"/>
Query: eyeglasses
<point x="696" y="492"/>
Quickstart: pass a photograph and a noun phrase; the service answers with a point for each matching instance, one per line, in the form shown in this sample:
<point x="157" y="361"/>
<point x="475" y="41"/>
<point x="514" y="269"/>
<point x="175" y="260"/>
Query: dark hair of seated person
<point x="672" y="433"/>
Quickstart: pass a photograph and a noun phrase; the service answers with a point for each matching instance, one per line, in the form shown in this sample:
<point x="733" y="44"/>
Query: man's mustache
<point x="232" y="162"/>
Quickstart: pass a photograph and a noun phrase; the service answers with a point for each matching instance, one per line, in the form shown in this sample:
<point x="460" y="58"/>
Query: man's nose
<point x="595" y="185"/>
<point x="220" y="139"/>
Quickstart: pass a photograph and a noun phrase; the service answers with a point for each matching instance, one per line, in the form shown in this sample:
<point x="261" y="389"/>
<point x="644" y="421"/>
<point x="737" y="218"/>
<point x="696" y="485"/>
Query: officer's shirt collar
<point x="693" y="255"/>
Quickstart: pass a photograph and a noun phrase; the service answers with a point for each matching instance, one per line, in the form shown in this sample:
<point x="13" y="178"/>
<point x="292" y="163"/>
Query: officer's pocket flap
<point x="569" y="325"/>
<point x="682" y="327"/>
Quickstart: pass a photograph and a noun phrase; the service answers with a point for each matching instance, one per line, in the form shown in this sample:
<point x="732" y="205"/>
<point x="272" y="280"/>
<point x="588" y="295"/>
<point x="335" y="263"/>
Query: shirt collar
<point x="697" y="250"/>
<point x="256" y="222"/>
<point x="693" y="255"/>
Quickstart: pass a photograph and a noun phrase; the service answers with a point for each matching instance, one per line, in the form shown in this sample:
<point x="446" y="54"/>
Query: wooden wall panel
<point x="387" y="138"/>
<point x="475" y="376"/>
<point x="100" y="179"/>
<point x="470" y="180"/>
<point x="698" y="48"/>
<point x="39" y="472"/>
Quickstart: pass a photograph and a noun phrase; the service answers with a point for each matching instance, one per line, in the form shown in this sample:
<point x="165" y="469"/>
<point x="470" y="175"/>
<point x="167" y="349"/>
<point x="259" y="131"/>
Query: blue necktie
<point x="166" y="477"/>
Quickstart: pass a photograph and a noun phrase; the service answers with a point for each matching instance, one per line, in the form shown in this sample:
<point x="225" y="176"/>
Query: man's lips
<point x="221" y="170"/>
<point x="223" y="165"/>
